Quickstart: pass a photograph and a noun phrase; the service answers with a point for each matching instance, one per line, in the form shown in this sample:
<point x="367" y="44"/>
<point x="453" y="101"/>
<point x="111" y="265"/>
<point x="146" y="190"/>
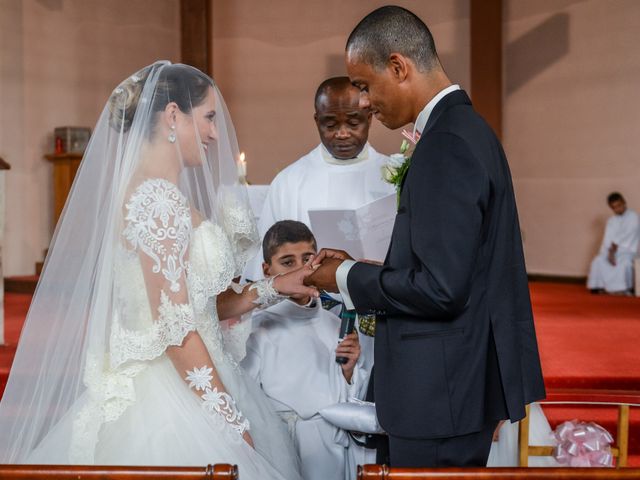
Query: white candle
<point x="242" y="166"/>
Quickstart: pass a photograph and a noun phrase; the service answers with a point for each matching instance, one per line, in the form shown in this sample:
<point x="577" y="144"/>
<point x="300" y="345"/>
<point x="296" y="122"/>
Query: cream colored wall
<point x="571" y="122"/>
<point x="59" y="60"/>
<point x="269" y="58"/>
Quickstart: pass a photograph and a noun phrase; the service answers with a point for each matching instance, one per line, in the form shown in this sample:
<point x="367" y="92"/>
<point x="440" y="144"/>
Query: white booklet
<point x="364" y="232"/>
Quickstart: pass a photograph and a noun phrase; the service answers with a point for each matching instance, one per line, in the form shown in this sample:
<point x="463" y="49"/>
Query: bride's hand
<point x="292" y="283"/>
<point x="247" y="438"/>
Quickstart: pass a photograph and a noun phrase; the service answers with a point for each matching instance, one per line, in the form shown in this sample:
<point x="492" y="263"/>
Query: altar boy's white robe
<point x="291" y="353"/>
<point x="316" y="181"/>
<point x="624" y="231"/>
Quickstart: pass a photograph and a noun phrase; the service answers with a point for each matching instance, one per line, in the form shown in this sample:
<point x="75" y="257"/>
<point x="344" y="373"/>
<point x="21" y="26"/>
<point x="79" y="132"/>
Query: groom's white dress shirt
<point x="423" y="117"/>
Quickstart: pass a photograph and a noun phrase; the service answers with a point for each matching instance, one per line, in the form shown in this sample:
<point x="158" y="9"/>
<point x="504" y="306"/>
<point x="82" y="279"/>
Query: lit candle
<point x="242" y="166"/>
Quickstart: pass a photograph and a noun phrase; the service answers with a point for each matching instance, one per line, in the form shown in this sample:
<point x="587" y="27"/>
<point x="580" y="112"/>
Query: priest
<point x="612" y="270"/>
<point x="343" y="171"/>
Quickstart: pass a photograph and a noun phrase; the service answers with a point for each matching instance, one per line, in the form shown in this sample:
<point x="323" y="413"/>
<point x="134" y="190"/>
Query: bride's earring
<point x="172" y="135"/>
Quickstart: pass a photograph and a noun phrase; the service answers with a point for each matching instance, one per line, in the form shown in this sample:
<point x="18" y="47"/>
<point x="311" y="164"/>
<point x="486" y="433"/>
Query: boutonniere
<point x="394" y="171"/>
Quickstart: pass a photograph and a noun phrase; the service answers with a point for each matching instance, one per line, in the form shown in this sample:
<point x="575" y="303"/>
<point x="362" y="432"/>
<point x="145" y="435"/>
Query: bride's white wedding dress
<point x="138" y="409"/>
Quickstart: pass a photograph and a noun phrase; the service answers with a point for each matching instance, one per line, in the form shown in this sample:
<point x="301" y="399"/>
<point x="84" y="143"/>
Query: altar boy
<point x="292" y="354"/>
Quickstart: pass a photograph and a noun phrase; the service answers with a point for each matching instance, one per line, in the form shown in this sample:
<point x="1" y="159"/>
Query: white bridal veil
<point x="68" y="348"/>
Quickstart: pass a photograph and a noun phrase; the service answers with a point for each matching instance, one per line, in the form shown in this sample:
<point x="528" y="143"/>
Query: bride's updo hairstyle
<point x="182" y="84"/>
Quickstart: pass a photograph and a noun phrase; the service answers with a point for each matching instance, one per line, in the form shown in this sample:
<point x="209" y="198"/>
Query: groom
<point x="455" y="346"/>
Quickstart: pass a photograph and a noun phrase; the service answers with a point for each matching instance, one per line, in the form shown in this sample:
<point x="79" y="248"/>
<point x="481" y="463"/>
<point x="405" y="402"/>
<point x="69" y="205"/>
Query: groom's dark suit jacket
<point x="455" y="345"/>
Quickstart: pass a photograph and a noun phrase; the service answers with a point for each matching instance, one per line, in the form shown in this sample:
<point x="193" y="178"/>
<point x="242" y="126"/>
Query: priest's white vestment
<point x="316" y="181"/>
<point x="291" y="353"/>
<point x="624" y="231"/>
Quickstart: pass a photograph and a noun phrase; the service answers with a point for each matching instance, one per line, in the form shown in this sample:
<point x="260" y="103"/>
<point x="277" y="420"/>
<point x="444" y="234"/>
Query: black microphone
<point x="347" y="324"/>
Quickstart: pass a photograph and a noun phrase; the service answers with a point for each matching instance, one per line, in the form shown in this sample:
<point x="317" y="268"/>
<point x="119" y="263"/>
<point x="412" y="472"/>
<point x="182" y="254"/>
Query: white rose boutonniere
<point x="396" y="168"/>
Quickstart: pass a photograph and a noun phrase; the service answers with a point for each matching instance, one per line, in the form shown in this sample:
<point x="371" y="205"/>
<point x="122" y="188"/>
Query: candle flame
<point x="242" y="157"/>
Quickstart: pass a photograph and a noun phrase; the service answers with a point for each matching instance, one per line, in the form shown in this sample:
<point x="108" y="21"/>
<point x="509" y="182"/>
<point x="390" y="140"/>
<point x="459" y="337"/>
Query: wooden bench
<point x="92" y="472"/>
<point x="623" y="399"/>
<point x="382" y="472"/>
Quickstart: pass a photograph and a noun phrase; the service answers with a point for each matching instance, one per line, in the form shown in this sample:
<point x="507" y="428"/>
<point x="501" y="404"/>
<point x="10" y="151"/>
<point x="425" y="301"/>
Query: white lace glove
<point x="216" y="402"/>
<point x="267" y="294"/>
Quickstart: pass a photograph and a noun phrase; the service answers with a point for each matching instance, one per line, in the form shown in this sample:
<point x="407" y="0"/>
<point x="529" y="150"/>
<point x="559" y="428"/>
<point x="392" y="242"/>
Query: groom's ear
<point x="399" y="66"/>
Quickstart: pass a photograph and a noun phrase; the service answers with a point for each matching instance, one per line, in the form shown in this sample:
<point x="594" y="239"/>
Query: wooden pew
<point x="221" y="471"/>
<point x="382" y="472"/>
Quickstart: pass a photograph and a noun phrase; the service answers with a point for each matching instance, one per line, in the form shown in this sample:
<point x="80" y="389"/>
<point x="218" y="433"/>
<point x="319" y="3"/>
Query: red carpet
<point x="589" y="341"/>
<point x="16" y="306"/>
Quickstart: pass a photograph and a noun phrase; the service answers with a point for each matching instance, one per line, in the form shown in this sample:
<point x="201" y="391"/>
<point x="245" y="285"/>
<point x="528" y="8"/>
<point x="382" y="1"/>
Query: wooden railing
<point x="622" y="399"/>
<point x="382" y="472"/>
<point x="92" y="472"/>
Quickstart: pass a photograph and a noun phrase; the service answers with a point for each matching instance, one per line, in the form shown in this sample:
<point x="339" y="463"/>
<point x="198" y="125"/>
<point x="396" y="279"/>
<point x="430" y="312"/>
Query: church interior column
<point x="196" y="34"/>
<point x="486" y="60"/>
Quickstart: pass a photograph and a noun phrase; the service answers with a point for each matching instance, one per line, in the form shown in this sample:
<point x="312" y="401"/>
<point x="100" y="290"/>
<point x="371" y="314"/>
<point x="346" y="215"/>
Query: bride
<point x="122" y="359"/>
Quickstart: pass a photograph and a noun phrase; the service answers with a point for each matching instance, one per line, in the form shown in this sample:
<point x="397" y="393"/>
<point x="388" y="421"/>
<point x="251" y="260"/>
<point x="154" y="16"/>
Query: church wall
<point x="269" y="58"/>
<point x="569" y="115"/>
<point x="570" y="119"/>
<point x="59" y="61"/>
<point x="571" y="122"/>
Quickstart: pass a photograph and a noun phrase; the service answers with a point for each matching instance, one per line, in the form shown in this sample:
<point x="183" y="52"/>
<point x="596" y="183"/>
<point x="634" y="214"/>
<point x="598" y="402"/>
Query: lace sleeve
<point x="153" y="310"/>
<point x="158" y="229"/>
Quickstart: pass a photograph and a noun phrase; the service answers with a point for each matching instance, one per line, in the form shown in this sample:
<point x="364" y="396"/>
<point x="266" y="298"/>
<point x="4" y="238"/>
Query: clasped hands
<point x="611" y="257"/>
<point x="324" y="266"/>
<point x="319" y="273"/>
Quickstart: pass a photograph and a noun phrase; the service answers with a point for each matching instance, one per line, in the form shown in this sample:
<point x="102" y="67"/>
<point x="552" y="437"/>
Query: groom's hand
<point x="330" y="253"/>
<point x="324" y="278"/>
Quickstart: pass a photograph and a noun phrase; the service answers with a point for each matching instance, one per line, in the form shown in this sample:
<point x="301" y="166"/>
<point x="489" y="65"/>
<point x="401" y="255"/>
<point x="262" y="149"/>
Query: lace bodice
<point x="166" y="278"/>
<point x="204" y="255"/>
<point x="210" y="271"/>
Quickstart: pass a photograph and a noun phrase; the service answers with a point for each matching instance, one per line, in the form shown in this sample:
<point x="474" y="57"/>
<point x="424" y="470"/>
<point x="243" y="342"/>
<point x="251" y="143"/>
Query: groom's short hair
<point x="392" y="29"/>
<point x="285" y="231"/>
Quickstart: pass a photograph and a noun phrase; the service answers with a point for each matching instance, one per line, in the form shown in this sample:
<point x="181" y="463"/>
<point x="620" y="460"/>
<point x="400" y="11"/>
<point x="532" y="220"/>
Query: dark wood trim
<point x="4" y="165"/>
<point x="486" y="60"/>
<point x="382" y="472"/>
<point x="26" y="284"/>
<point x="541" y="277"/>
<point x="196" y="36"/>
<point x="94" y="472"/>
<point x="55" y="157"/>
